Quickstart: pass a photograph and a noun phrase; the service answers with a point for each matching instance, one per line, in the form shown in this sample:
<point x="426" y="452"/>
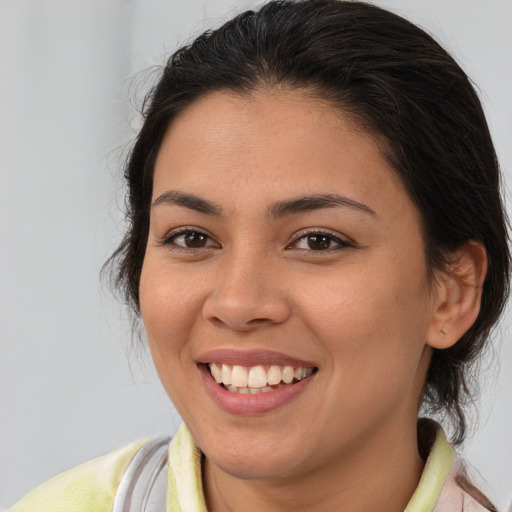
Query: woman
<point x="317" y="248"/>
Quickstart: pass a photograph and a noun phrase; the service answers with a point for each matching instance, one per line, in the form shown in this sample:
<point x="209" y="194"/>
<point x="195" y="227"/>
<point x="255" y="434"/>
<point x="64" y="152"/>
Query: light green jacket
<point x="92" y="486"/>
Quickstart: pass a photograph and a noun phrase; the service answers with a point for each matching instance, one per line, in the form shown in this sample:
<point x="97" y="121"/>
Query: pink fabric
<point x="455" y="499"/>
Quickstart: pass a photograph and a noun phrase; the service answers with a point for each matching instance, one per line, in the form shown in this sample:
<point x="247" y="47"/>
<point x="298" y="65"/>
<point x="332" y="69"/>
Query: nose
<point x="246" y="295"/>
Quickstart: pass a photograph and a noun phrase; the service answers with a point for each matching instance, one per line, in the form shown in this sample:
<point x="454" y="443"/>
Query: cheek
<point x="372" y="320"/>
<point x="170" y="303"/>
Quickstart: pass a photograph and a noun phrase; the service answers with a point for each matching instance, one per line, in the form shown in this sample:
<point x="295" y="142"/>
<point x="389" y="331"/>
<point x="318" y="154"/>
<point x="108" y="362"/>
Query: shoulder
<point x="91" y="486"/>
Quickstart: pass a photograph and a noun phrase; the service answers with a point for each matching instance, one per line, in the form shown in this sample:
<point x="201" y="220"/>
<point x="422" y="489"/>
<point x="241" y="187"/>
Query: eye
<point x="189" y="238"/>
<point x="319" y="241"/>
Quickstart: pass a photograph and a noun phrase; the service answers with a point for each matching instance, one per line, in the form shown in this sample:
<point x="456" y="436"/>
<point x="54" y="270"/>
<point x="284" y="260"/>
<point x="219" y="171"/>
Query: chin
<point x="255" y="468"/>
<point x="261" y="459"/>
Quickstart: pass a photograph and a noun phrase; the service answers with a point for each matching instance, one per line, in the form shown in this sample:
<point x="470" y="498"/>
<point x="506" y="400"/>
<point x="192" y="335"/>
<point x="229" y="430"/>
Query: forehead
<point x="270" y="144"/>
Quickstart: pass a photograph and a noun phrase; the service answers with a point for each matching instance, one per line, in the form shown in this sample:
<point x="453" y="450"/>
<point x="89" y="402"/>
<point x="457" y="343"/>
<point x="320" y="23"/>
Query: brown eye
<point x="319" y="242"/>
<point x="194" y="239"/>
<point x="190" y="239"/>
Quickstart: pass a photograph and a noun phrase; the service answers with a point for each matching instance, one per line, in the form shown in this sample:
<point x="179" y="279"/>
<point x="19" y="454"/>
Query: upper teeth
<point x="256" y="376"/>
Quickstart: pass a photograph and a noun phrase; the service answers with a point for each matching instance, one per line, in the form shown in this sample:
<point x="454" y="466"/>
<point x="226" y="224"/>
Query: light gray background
<point x="68" y="389"/>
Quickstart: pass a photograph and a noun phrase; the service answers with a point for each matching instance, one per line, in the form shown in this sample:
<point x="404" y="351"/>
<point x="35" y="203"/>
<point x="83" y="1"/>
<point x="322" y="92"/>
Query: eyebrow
<point x="188" y="201"/>
<point x="276" y="210"/>
<point x="316" y="202"/>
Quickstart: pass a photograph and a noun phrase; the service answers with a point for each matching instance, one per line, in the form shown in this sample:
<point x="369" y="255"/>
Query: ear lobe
<point x="458" y="295"/>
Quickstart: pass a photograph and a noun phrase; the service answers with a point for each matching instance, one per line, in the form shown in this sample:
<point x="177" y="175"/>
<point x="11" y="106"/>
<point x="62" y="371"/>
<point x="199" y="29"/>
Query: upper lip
<point x="252" y="358"/>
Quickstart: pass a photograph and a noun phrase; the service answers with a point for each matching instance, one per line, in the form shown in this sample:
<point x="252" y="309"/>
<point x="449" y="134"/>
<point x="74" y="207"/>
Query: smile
<point x="257" y="379"/>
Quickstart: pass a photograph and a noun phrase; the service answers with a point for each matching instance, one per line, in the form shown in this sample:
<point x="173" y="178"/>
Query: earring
<point x="443" y="331"/>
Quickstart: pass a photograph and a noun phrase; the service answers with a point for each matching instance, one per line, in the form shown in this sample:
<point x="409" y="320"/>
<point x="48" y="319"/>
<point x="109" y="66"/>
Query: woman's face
<point x="282" y="246"/>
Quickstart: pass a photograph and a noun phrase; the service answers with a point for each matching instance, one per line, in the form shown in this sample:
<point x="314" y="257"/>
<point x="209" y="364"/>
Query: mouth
<point x="254" y="380"/>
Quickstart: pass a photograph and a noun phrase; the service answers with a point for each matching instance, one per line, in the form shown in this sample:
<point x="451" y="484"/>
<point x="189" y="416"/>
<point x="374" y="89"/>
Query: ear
<point x="458" y="295"/>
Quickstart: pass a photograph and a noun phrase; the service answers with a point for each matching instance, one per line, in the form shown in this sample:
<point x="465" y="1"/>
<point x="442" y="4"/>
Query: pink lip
<point x="245" y="405"/>
<point x="252" y="358"/>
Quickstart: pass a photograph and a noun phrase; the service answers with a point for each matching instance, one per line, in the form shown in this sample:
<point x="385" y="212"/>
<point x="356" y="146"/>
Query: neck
<point x="381" y="474"/>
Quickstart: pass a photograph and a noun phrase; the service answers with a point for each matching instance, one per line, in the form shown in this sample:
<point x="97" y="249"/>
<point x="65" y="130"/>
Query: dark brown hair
<point x="400" y="85"/>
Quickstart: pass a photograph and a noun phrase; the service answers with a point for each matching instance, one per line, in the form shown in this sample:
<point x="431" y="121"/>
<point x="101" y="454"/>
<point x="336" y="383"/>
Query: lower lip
<point x="261" y="403"/>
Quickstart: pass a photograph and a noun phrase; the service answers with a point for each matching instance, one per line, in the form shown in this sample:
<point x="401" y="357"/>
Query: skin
<point x="363" y="310"/>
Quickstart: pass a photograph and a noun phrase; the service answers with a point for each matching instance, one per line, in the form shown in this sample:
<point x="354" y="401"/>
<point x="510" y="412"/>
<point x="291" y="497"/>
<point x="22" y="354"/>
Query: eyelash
<point x="170" y="240"/>
<point x="333" y="238"/>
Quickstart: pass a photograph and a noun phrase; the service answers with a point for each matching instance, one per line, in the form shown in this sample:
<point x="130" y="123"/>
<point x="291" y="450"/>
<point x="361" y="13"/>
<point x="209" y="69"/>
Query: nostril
<point x="216" y="321"/>
<point x="259" y="321"/>
<point x="238" y="326"/>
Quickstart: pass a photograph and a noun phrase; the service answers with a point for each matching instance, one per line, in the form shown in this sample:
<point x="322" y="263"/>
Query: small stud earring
<point x="443" y="331"/>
